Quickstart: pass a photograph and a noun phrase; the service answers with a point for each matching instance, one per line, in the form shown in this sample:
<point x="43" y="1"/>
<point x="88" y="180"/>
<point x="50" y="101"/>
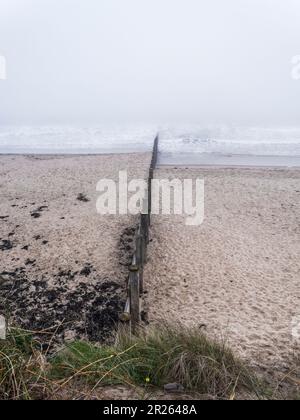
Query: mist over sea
<point x="190" y="143"/>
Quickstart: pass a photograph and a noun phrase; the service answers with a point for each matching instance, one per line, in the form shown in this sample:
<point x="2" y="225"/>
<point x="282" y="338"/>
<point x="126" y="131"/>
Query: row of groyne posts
<point x="135" y="289"/>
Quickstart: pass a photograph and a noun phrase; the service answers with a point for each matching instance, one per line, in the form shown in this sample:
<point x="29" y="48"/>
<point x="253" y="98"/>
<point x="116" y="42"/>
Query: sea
<point x="178" y="145"/>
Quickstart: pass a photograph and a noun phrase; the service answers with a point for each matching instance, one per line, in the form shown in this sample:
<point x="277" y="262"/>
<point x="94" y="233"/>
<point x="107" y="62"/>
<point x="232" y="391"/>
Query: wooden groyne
<point x="132" y="312"/>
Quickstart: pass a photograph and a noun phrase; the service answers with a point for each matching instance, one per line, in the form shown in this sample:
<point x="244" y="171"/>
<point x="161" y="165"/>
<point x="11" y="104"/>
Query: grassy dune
<point x="148" y="362"/>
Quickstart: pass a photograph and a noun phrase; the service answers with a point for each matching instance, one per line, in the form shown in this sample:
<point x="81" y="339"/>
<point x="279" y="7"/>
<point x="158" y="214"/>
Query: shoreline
<point x="234" y="160"/>
<point x="225" y="167"/>
<point x="41" y="153"/>
<point x="160" y="166"/>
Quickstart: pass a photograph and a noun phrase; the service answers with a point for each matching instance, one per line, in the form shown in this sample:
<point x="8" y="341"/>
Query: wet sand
<point x="60" y="261"/>
<point x="228" y="160"/>
<point x="237" y="276"/>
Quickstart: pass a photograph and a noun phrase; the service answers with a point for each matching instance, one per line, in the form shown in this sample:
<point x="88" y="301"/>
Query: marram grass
<point x="162" y="355"/>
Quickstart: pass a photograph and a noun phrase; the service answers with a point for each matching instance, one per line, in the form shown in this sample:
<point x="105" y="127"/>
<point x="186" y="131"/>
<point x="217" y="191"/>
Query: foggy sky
<point x="207" y="61"/>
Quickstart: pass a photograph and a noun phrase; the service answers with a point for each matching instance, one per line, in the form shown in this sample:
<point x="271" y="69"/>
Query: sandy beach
<point x="60" y="261"/>
<point x="237" y="275"/>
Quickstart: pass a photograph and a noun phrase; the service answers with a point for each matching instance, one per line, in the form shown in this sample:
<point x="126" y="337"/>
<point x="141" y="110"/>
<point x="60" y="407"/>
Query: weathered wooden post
<point x="140" y="258"/>
<point x="145" y="236"/>
<point x="139" y="250"/>
<point x="125" y="316"/>
<point x="134" y="298"/>
<point x="151" y="172"/>
<point x="149" y="198"/>
<point x="155" y="152"/>
<point x="145" y="220"/>
<point x="145" y="227"/>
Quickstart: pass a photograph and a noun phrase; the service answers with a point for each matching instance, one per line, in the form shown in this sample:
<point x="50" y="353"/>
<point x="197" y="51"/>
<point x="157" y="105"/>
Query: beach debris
<point x="82" y="197"/>
<point x="37" y="213"/>
<point x="2" y="328"/>
<point x="6" y="245"/>
<point x="173" y="388"/>
<point x="86" y="271"/>
<point x="68" y="274"/>
<point x="30" y="262"/>
<point x="88" y="312"/>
